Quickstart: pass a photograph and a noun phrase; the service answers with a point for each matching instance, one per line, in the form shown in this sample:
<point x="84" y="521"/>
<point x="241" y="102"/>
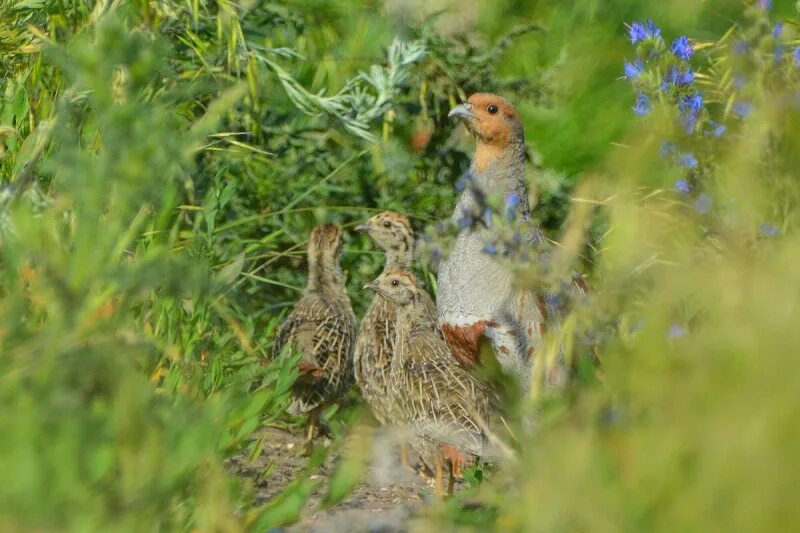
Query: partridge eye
<point x="492" y="109"/>
<point x="395" y="283"/>
<point x="387" y="224"/>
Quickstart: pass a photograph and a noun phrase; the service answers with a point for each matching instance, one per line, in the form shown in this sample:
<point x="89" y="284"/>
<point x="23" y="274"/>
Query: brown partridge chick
<point x="322" y="327"/>
<point x="435" y="397"/>
<point x="372" y="357"/>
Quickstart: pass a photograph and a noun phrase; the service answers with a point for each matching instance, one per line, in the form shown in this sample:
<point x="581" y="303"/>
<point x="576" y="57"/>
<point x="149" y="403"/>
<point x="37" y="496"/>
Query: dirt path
<point x="383" y="502"/>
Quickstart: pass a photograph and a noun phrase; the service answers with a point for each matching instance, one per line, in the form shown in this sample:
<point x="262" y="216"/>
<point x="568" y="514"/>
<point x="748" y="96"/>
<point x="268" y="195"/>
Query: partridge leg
<point x="451" y="480"/>
<point x="313" y="420"/>
<point x="404" y="456"/>
<point x="438" y="480"/>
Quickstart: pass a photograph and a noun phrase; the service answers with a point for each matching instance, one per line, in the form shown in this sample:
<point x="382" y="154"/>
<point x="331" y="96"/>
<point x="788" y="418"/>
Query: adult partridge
<point x="476" y="294"/>
<point x="445" y="407"/>
<point x="322" y="327"/>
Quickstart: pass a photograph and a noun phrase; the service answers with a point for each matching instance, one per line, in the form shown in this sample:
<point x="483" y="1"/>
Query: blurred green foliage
<point x="159" y="184"/>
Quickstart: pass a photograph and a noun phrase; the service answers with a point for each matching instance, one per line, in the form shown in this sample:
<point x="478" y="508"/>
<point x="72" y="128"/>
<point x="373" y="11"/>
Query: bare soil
<point x="388" y="497"/>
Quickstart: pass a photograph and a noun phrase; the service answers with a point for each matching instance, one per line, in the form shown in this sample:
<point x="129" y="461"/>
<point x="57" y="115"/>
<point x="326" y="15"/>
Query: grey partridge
<point x="476" y="294"/>
<point x="322" y="327"/>
<point x="445" y="407"/>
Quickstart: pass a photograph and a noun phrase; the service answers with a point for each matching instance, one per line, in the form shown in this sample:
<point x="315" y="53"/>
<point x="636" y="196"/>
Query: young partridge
<point x="375" y="344"/>
<point x="322" y="327"/>
<point x="444" y="406"/>
<point x="476" y="294"/>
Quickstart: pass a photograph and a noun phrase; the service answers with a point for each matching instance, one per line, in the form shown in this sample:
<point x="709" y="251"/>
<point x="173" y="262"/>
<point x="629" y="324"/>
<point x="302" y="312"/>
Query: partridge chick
<point x="444" y="406"/>
<point x="322" y="327"/>
<point x="372" y="357"/>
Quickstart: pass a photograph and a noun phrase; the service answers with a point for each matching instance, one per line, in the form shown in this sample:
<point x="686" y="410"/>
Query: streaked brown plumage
<point x="440" y="401"/>
<point x="372" y="357"/>
<point x="322" y="327"/>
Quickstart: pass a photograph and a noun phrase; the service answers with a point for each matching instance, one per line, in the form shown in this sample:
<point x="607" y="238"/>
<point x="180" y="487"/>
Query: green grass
<point x="163" y="162"/>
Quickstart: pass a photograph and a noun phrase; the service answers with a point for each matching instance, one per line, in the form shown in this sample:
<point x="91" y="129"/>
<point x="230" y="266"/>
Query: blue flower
<point x="719" y="129"/>
<point x="742" y="109"/>
<point x="465" y="222"/>
<point x="680" y="77"/>
<point x="490" y="249"/>
<point x="690" y="107"/>
<point x="689" y="160"/>
<point x="642" y="105"/>
<point x="512" y="201"/>
<point x="463" y="181"/>
<point x="694" y="103"/>
<point x="796" y="55"/>
<point x="769" y="230"/>
<point x="487" y="216"/>
<point x="765" y="4"/>
<point x="637" y="33"/>
<point x="777" y="30"/>
<point x="682" y="48"/>
<point x="703" y="203"/>
<point x="666" y="149"/>
<point x="652" y="30"/>
<point x="553" y="300"/>
<point x="683" y="186"/>
<point x="632" y="70"/>
<point x="676" y="332"/>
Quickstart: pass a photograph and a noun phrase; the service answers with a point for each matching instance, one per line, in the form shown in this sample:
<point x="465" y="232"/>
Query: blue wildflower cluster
<point x="661" y="71"/>
<point x="676" y="86"/>
<point x="761" y="53"/>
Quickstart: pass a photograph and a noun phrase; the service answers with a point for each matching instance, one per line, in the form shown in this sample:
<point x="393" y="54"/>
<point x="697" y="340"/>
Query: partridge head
<point x="390" y="231"/>
<point x="496" y="126"/>
<point x="325" y="244"/>
<point x="398" y="286"/>
<point x="324" y="254"/>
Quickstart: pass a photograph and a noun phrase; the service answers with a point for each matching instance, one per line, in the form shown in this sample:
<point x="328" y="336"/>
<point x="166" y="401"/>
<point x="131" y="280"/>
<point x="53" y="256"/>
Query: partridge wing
<point x="452" y="405"/>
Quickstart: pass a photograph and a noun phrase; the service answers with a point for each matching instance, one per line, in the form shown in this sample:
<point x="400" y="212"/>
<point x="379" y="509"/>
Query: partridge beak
<point x="362" y="228"/>
<point x="371" y="287"/>
<point x="462" y="111"/>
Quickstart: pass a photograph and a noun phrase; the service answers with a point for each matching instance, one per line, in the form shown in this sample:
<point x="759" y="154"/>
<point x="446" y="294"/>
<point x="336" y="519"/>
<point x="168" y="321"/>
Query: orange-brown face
<point x="491" y="118"/>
